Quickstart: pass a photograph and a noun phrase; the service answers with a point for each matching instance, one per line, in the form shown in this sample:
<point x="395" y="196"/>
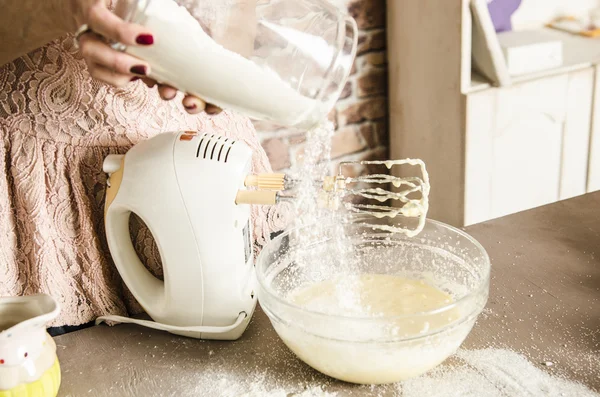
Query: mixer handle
<point x="148" y="290"/>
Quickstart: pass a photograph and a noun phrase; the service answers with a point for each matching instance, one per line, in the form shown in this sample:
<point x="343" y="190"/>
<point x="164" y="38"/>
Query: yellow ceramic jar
<point x="28" y="363"/>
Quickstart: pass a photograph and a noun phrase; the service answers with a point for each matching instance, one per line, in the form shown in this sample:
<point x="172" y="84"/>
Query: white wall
<point x="535" y="13"/>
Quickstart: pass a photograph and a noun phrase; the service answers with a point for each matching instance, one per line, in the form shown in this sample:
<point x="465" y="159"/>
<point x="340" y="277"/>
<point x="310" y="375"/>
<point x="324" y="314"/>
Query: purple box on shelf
<point x="501" y="12"/>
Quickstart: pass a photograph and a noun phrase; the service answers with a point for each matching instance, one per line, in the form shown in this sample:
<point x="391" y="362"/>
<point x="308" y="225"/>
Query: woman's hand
<point x="118" y="68"/>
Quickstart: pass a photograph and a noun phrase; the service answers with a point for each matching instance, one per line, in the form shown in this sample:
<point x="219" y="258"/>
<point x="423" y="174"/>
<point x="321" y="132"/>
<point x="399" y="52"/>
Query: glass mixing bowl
<point x="366" y="349"/>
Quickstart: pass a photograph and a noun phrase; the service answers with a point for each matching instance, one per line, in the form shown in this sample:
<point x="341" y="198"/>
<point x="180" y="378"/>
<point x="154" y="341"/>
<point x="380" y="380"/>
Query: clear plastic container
<point x="374" y="349"/>
<point x="284" y="61"/>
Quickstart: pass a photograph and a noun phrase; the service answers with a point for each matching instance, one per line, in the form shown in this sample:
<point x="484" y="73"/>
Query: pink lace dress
<point x="57" y="125"/>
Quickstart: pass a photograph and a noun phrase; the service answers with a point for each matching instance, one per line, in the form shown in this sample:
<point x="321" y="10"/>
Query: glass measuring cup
<point x="284" y="61"/>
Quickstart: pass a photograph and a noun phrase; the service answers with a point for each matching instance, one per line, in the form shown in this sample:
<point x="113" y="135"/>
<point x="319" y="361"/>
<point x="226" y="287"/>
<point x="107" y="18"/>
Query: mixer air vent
<point x="214" y="147"/>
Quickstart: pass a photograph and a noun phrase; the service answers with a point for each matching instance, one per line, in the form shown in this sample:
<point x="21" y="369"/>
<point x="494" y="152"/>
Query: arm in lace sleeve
<point x="26" y="25"/>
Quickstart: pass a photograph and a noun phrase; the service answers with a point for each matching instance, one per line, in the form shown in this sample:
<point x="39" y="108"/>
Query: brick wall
<point x="360" y="115"/>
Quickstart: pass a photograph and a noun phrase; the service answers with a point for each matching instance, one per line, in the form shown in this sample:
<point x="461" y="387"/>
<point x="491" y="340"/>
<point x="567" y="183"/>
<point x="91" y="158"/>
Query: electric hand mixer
<point x="192" y="191"/>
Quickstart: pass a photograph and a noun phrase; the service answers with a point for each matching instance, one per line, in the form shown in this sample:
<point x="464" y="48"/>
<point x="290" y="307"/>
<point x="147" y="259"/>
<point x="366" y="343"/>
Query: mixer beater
<point x="379" y="195"/>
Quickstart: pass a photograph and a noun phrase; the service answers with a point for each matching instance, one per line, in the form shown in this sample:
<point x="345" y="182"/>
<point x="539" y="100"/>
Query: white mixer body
<point x="183" y="186"/>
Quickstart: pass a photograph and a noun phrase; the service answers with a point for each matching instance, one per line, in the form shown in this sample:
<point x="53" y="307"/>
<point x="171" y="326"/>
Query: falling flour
<point x="357" y="356"/>
<point x="311" y="170"/>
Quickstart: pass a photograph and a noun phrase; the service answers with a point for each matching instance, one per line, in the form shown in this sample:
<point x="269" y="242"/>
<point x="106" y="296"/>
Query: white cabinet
<point x="490" y="151"/>
<point x="527" y="145"/>
<point x="594" y="162"/>
<point x="576" y="134"/>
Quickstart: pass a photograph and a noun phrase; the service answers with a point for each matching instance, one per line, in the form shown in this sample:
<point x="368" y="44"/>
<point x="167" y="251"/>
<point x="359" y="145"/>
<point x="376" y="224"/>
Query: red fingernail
<point x="134" y="78"/>
<point x="190" y="107"/>
<point x="145" y="39"/>
<point x="138" y="69"/>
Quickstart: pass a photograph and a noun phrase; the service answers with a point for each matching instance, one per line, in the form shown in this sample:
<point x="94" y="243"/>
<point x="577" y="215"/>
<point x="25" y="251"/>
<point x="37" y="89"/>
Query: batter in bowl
<point x="379" y="295"/>
<point x="393" y="342"/>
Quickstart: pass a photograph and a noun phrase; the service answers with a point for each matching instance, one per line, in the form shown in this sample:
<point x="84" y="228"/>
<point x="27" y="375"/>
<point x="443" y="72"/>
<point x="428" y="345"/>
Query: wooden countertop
<point x="544" y="302"/>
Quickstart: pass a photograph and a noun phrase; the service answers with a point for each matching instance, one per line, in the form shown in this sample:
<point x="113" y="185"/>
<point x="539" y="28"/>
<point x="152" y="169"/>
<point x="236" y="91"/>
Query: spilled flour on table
<point x="491" y="373"/>
<point x="478" y="373"/>
<point x="258" y="384"/>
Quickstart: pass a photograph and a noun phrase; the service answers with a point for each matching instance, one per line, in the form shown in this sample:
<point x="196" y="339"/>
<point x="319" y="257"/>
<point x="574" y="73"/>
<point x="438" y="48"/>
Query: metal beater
<point x="378" y="195"/>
